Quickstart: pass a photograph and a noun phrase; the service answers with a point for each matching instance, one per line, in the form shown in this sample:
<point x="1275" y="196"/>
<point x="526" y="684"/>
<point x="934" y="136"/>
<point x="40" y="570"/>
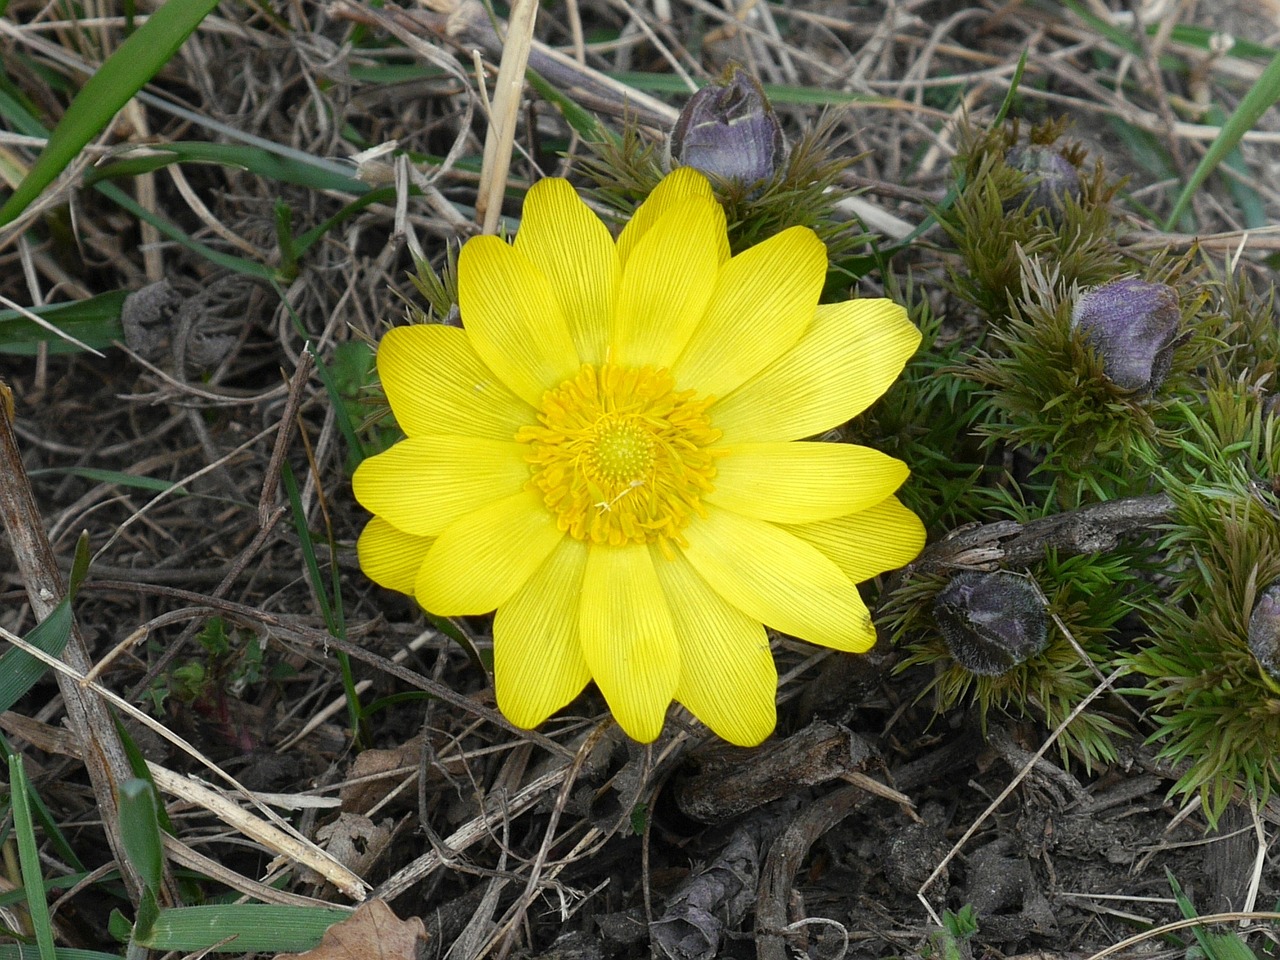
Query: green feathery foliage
<point x="1215" y="709"/>
<point x="996" y="225"/>
<point x="1086" y="597"/>
<point x="1047" y="395"/>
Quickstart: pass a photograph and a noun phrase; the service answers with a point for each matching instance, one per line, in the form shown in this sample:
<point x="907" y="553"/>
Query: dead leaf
<point x="373" y="932"/>
<point x="354" y="841"/>
<point x="374" y="773"/>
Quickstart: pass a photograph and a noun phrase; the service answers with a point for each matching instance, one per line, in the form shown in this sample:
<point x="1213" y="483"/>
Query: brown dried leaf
<point x="373" y="932"/>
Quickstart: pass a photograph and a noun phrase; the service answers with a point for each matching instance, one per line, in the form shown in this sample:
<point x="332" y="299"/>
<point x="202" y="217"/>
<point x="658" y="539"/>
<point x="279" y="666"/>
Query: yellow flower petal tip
<point x="612" y="454"/>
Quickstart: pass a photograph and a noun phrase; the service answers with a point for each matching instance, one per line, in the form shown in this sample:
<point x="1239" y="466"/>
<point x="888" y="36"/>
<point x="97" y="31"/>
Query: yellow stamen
<point x="620" y="456"/>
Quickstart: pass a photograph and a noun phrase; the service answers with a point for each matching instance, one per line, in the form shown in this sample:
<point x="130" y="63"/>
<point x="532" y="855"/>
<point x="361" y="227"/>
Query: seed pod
<point x="1264" y="630"/>
<point x="728" y="129"/>
<point x="1133" y="324"/>
<point x="1052" y="177"/>
<point x="991" y="621"/>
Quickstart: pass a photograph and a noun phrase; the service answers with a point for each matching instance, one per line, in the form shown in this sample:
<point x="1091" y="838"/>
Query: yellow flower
<point x="610" y="455"/>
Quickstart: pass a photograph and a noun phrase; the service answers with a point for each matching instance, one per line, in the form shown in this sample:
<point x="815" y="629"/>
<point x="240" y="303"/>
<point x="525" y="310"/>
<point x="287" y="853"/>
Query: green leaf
<point x="1261" y="97"/>
<point x="19" y="671"/>
<point x="29" y="859"/>
<point x="109" y="476"/>
<point x="583" y="121"/>
<point x="250" y="927"/>
<point x="79" y="565"/>
<point x="140" y="831"/>
<point x="257" y="160"/>
<point x="12" y="952"/>
<point x="1216" y="946"/>
<point x="114" y="83"/>
<point x="53" y="834"/>
<point x="94" y="322"/>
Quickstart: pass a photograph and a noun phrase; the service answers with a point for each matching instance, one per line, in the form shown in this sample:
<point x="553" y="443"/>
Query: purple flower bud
<point x="991" y="621"/>
<point x="1264" y="630"/>
<point x="1133" y="324"/>
<point x="728" y="129"/>
<point x="1051" y="177"/>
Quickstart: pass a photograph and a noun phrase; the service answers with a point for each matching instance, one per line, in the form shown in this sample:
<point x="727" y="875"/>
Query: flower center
<point x="620" y="456"/>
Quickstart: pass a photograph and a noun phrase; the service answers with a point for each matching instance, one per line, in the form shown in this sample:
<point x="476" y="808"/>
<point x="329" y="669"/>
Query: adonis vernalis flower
<point x="611" y="456"/>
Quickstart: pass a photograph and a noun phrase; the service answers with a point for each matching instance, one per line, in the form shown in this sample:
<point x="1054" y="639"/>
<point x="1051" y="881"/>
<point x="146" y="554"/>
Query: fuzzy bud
<point x="1133" y="324"/>
<point x="728" y="129"/>
<point x="991" y="621"/>
<point x="1052" y="177"/>
<point x="1264" y="630"/>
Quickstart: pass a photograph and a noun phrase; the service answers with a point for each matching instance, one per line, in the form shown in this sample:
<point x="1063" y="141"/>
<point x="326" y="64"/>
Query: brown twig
<point x="90" y="721"/>
<point x="1095" y="528"/>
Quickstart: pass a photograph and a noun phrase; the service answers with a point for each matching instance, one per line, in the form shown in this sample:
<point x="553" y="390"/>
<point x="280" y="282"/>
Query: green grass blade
<point x="152" y="484"/>
<point x="1216" y="946"/>
<point x="19" y="671"/>
<point x="29" y="859"/>
<point x="40" y="812"/>
<point x="331" y="611"/>
<point x="19" y="118"/>
<point x="264" y="163"/>
<point x="12" y="952"/>
<point x="252" y="927"/>
<point x="123" y="74"/>
<point x="1261" y="97"/>
<point x="1203" y="38"/>
<point x="140" y="830"/>
<point x="95" y="322"/>
<point x="236" y="264"/>
<point x="583" y="121"/>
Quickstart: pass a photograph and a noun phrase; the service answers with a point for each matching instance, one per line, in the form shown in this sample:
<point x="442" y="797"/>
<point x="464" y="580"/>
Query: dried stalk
<point x="91" y="723"/>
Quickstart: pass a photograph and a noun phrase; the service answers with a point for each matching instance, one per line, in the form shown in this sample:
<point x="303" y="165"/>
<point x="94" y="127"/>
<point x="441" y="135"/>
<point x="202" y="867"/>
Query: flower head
<point x="991" y="621"/>
<point x="729" y="129"/>
<point x="1133" y="324"/>
<point x="1264" y="630"/>
<point x="610" y="454"/>
<point x="1051" y="178"/>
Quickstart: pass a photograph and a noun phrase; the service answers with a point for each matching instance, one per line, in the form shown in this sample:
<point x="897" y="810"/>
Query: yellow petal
<point x="389" y="557"/>
<point x="666" y="285"/>
<point x="483" y="558"/>
<point x="867" y="544"/>
<point x="727" y="676"/>
<point x="512" y="317"/>
<point x="628" y="638"/>
<point x="574" y="250"/>
<point x="435" y="383"/>
<point x="779" y="579"/>
<point x="764" y="300"/>
<point x="675" y="189"/>
<point x="801" y="482"/>
<point x="538" y="665"/>
<point x="848" y="357"/>
<point x="423" y="484"/>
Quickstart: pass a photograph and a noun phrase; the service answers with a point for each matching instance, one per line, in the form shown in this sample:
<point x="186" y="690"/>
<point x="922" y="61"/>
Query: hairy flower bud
<point x="729" y="129"/>
<point x="1052" y="177"/>
<point x="991" y="621"/>
<point x="1264" y="630"/>
<point x="1133" y="324"/>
